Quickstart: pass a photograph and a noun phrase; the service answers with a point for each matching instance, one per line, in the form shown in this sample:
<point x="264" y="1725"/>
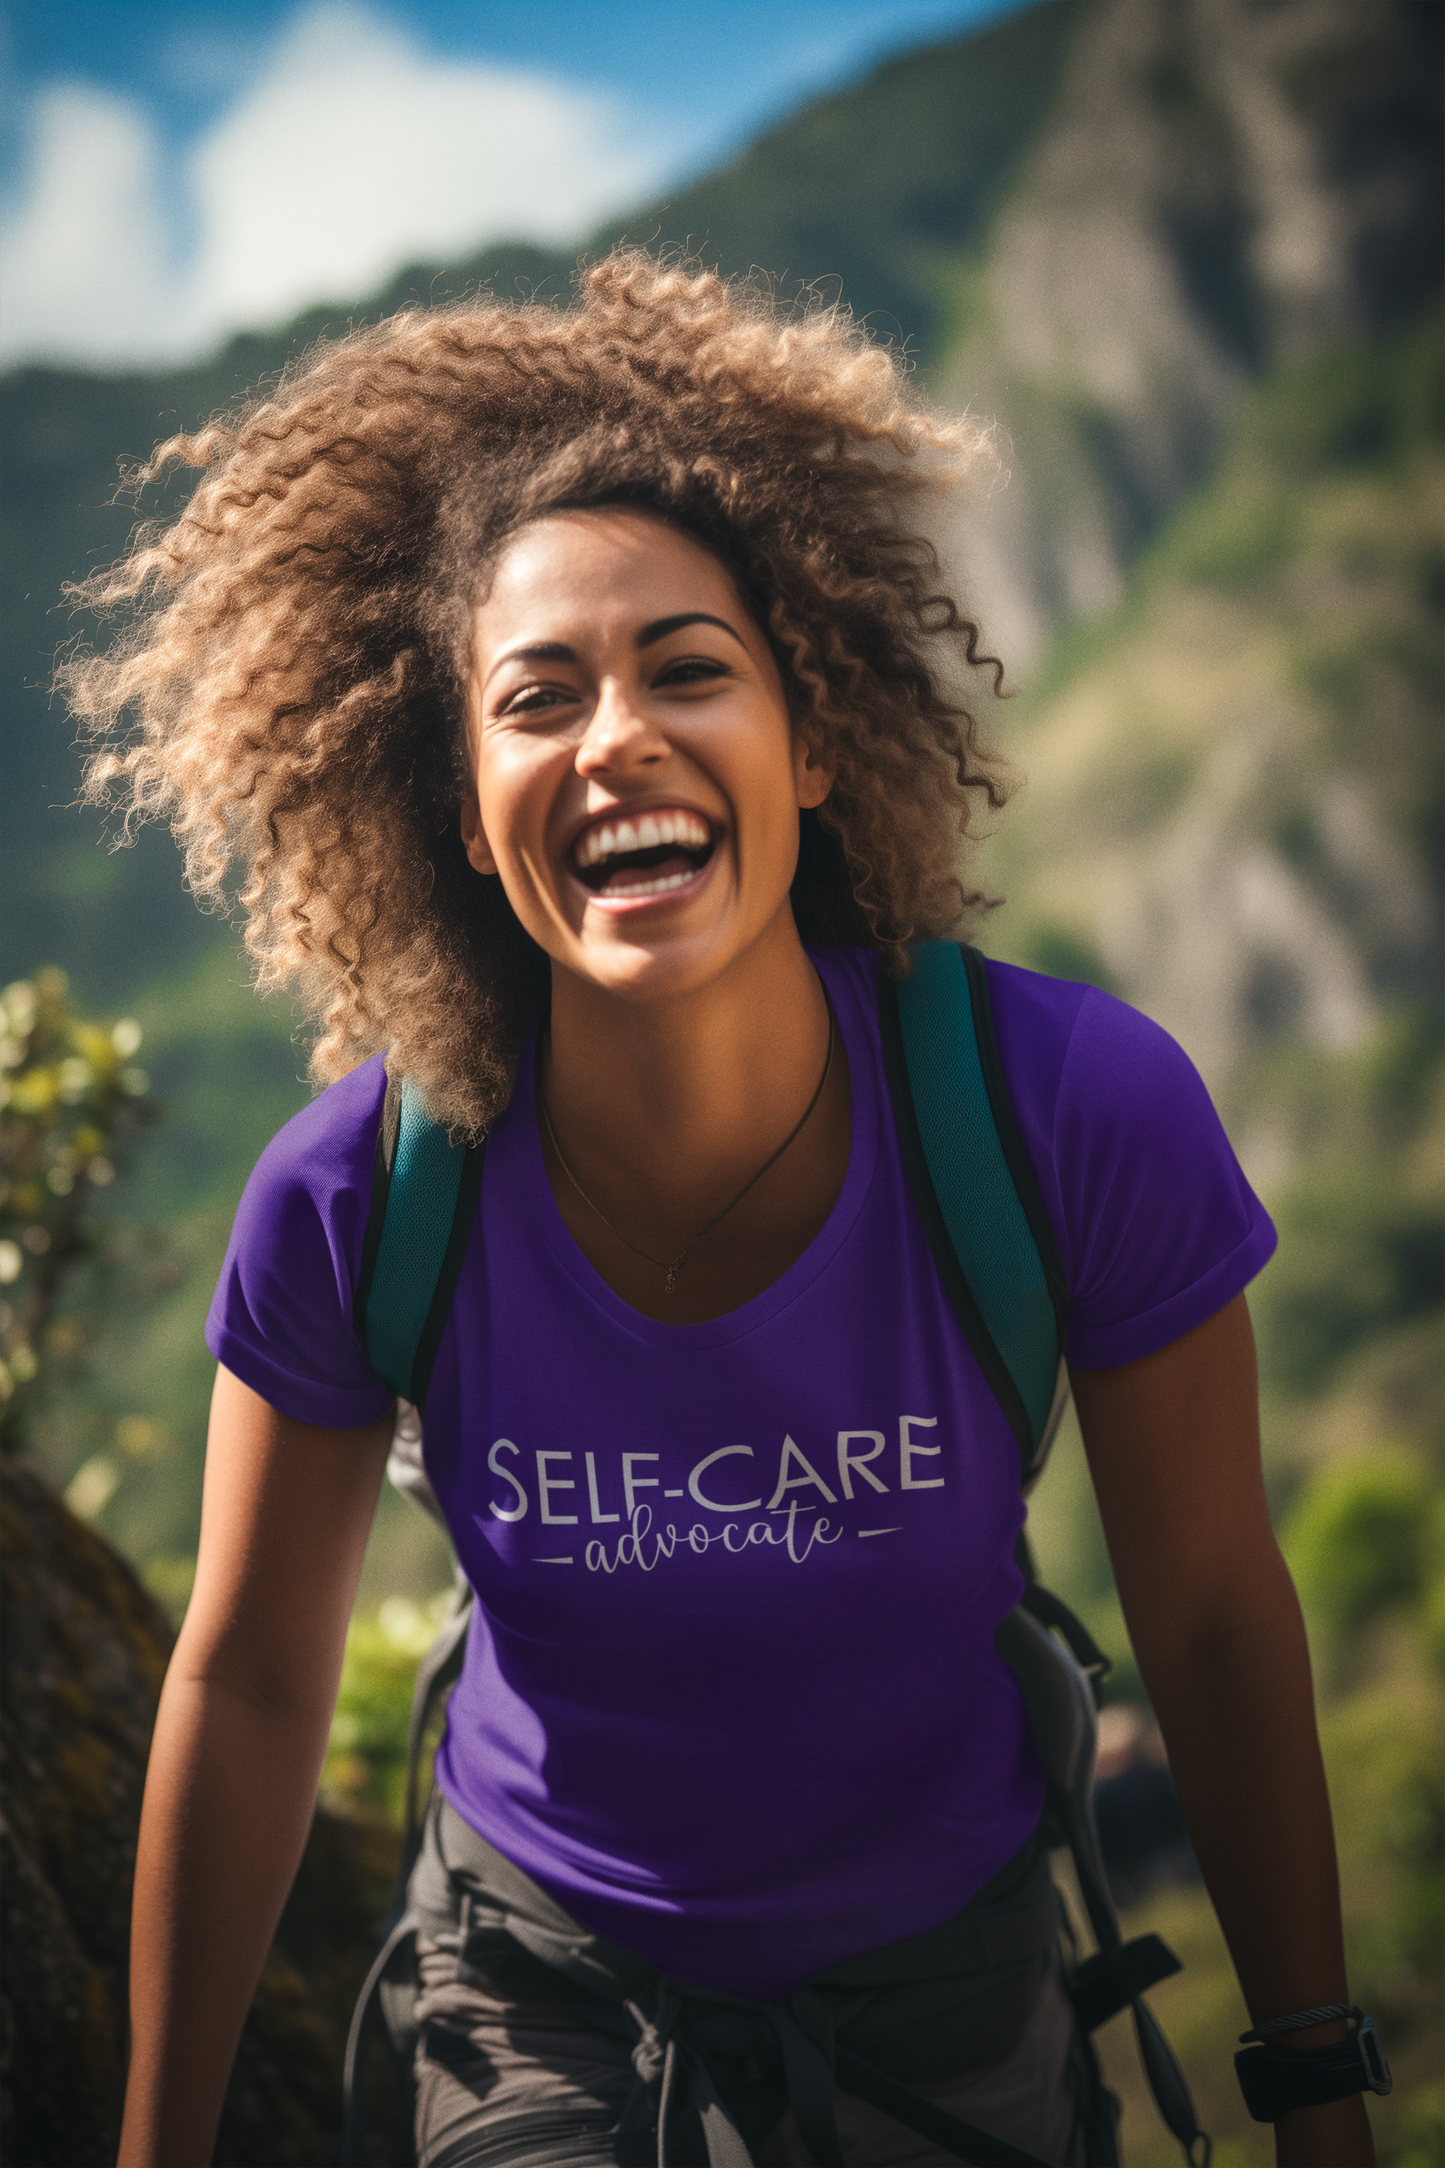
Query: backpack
<point x="999" y="1265"/>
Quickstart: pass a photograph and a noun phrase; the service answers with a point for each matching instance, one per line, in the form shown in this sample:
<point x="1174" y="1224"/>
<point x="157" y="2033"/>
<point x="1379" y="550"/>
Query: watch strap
<point x="1276" y="2081"/>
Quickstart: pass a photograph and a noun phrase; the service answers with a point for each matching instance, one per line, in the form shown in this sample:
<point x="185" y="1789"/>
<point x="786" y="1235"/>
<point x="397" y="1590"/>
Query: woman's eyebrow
<point x="556" y="651"/>
<point x="662" y="626"/>
<point x="533" y="651"/>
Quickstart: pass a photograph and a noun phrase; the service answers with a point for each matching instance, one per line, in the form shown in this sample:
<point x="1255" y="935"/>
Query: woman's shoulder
<point x="1050" y="1031"/>
<point x="329" y="1145"/>
<point x="1094" y="1081"/>
<point x="281" y="1318"/>
<point x="1156" y="1223"/>
<point x="309" y="1193"/>
<point x="1054" y="1032"/>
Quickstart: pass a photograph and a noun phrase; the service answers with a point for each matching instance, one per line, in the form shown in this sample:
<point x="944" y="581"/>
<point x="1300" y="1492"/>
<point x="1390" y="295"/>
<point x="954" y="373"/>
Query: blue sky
<point x="170" y="172"/>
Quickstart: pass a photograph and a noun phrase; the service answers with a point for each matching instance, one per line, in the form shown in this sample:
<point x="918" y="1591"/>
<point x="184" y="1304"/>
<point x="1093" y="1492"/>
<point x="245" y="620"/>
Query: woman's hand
<point x="1173" y="1446"/>
<point x="239" y="1741"/>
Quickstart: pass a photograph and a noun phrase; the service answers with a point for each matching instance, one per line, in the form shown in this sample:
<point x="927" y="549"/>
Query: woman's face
<point x="636" y="777"/>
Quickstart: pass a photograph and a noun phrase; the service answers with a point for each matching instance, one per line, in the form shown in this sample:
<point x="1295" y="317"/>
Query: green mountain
<point x="1233" y="816"/>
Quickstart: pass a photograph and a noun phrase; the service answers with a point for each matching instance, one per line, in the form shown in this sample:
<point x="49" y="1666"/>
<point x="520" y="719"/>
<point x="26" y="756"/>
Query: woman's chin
<point x="655" y="949"/>
<point x="638" y="960"/>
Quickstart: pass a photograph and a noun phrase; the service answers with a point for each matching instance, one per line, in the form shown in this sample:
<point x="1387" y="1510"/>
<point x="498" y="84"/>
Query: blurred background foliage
<point x="71" y="1096"/>
<point x="1218" y="577"/>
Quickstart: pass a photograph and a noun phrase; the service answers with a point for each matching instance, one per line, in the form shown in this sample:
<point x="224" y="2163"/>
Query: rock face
<point x="1222" y="188"/>
<point x="85" y="1650"/>
<point x="1230" y="814"/>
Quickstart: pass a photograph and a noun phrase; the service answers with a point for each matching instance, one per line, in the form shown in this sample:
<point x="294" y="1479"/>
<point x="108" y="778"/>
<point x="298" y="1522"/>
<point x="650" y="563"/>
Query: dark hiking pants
<point x="541" y="2045"/>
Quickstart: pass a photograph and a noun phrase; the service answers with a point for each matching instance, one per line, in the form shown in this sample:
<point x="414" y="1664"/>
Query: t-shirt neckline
<point x="524" y="1139"/>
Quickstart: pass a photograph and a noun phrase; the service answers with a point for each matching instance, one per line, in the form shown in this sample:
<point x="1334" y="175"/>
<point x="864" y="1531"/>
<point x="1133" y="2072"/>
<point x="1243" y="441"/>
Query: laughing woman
<point x="575" y="690"/>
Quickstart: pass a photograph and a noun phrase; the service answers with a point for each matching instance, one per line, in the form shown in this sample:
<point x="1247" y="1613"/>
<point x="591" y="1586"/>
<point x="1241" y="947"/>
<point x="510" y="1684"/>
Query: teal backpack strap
<point x="1000" y="1267"/>
<point x="424" y="1191"/>
<point x="974" y="1183"/>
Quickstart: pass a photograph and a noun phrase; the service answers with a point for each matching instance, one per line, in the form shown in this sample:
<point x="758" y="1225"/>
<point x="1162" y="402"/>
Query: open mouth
<point x="644" y="855"/>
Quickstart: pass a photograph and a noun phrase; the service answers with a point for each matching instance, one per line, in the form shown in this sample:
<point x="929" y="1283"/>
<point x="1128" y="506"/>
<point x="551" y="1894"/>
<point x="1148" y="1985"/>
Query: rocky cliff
<point x="85" y="1651"/>
<point x="1220" y="189"/>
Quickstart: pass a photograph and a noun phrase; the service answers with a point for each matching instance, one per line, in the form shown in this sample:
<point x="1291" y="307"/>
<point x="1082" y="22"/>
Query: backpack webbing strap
<point x="949" y="2132"/>
<point x="424" y="1191"/>
<point x="975" y="1184"/>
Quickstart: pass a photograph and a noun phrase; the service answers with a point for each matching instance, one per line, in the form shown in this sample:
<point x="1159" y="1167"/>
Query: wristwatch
<point x="1276" y="2081"/>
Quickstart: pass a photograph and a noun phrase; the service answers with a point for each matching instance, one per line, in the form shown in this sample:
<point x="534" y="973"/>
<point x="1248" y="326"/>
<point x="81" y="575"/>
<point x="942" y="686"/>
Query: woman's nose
<point x="619" y="735"/>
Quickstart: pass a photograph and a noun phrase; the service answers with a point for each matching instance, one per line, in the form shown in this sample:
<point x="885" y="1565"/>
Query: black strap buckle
<point x="1277" y="2080"/>
<point x="1372" y="2058"/>
<point x="1109" y="1981"/>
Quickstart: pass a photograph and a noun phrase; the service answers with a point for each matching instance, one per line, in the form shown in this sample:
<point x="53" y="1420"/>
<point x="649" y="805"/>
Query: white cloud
<point x="348" y="154"/>
<point x="83" y="257"/>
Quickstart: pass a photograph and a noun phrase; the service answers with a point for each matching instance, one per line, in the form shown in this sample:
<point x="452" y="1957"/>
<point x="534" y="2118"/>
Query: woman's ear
<point x="474" y="840"/>
<point x="814" y="775"/>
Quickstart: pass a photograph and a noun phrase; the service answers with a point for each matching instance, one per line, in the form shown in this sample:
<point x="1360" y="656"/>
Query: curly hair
<point x="288" y="686"/>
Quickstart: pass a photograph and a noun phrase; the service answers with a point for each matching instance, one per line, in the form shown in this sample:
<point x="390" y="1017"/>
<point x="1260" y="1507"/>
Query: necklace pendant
<point x="669" y="1285"/>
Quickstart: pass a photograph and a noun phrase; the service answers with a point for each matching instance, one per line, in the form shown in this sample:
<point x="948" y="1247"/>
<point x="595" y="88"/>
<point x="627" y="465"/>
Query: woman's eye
<point x="692" y="670"/>
<point x="532" y="699"/>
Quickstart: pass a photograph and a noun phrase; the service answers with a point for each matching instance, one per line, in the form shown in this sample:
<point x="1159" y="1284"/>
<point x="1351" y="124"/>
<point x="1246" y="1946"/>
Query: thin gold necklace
<point x="671" y="1271"/>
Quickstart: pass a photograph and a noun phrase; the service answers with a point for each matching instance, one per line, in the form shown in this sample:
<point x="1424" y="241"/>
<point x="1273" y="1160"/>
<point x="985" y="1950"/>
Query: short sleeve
<point x="1157" y="1225"/>
<point x="281" y="1318"/>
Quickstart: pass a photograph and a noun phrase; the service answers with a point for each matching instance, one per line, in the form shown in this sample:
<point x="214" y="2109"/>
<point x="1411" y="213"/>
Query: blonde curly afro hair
<point x="288" y="682"/>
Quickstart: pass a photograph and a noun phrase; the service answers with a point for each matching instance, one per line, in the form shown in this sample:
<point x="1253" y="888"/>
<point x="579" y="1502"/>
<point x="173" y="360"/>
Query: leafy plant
<point x="1356" y="1539"/>
<point x="366" y="1759"/>
<point x="70" y="1097"/>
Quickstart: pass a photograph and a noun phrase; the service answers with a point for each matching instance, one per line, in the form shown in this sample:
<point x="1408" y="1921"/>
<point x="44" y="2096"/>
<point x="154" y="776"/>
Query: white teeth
<point x="656" y="888"/>
<point x="649" y="833"/>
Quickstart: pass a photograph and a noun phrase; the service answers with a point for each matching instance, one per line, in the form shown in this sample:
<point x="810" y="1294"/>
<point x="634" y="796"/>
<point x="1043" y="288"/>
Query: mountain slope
<point x="1233" y="818"/>
<point x="1221" y="189"/>
<point x="1235" y="788"/>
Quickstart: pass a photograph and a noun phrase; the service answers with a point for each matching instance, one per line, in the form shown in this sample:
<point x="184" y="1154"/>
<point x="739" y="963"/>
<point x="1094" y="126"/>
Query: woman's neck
<point x="661" y="1113"/>
<point x="679" y="1094"/>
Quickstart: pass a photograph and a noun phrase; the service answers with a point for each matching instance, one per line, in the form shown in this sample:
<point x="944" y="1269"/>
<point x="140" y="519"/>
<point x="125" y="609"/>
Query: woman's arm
<point x="1173" y="1446"/>
<point x="237" y="1753"/>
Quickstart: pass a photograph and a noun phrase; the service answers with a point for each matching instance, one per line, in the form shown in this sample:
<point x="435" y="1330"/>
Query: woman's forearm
<point x="238" y="1746"/>
<point x="1173" y="1444"/>
<point x="1238" y="1720"/>
<point x="1237" y="1716"/>
<point x="228" y="1802"/>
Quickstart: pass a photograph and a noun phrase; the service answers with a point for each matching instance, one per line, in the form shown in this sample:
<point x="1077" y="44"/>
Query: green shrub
<point x="1424" y="2129"/>
<point x="1356" y="1539"/>
<point x="365" y="1765"/>
<point x="1433" y="1600"/>
<point x="71" y="1098"/>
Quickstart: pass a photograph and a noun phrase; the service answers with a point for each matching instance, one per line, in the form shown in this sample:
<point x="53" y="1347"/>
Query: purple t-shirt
<point x="730" y="1691"/>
